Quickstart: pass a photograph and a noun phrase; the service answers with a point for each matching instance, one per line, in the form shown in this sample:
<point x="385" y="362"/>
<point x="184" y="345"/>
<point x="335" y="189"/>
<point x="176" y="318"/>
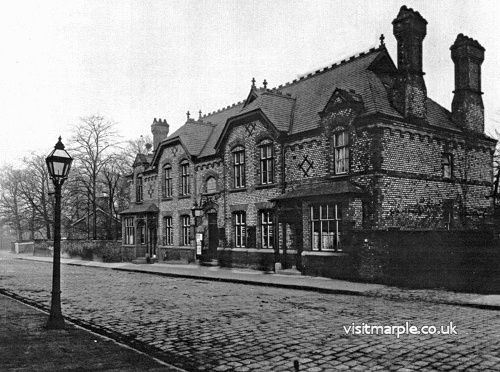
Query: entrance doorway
<point x="152" y="237"/>
<point x="213" y="236"/>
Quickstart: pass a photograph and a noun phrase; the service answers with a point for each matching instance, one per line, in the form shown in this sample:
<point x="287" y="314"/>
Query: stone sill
<point x="324" y="253"/>
<point x="182" y="247"/>
<point x="243" y="189"/>
<point x="167" y="198"/>
<point x="267" y="186"/>
<point x="184" y="197"/>
<point x="246" y="250"/>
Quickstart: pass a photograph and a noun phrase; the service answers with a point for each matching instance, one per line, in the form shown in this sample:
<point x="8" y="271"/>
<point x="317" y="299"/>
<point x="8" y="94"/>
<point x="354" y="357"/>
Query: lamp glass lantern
<point x="59" y="162"/>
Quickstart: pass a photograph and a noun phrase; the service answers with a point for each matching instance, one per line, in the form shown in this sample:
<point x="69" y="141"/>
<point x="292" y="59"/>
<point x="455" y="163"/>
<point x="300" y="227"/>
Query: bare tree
<point x="12" y="207"/>
<point x="141" y="145"/>
<point x="34" y="187"/>
<point x="496" y="170"/>
<point x="94" y="142"/>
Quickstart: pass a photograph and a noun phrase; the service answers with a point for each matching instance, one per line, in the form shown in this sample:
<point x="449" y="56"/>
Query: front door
<point x="213" y="236"/>
<point x="152" y="241"/>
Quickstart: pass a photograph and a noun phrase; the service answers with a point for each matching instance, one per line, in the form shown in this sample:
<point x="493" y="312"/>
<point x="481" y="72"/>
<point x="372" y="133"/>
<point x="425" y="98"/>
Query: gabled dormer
<point x="342" y="107"/>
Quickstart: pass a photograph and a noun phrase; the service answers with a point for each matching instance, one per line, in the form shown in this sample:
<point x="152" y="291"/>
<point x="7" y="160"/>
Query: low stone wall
<point x="91" y="250"/>
<point x="187" y="254"/>
<point x="23" y="247"/>
<point x="455" y="260"/>
<point x="96" y="250"/>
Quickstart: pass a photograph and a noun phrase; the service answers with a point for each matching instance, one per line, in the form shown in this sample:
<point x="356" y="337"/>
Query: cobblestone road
<point x="201" y="325"/>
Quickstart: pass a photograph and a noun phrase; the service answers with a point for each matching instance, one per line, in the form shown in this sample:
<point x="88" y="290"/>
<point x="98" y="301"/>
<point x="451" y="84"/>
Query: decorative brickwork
<point x="294" y="175"/>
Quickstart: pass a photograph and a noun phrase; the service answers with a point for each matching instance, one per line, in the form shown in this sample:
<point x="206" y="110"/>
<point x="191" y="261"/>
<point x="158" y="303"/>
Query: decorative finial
<point x="382" y="38"/>
<point x="253" y="82"/>
<point x="59" y="145"/>
<point x="199" y="112"/>
<point x="187" y="114"/>
<point x="265" y="83"/>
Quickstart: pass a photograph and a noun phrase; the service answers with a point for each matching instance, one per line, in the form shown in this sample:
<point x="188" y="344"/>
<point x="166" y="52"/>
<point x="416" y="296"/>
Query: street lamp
<point x="58" y="164"/>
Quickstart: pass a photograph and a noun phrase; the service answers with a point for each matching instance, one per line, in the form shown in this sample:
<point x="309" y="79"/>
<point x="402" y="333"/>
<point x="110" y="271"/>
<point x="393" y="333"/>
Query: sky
<point x="132" y="61"/>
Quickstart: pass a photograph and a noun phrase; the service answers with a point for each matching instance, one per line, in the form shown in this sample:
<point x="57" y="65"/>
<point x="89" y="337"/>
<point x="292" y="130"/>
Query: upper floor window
<point x="240" y="228"/>
<point x="167" y="181"/>
<point x="169" y="232"/>
<point x="186" y="224"/>
<point x="266" y="164"/>
<point x="266" y="229"/>
<point x="129" y="230"/>
<point x="447" y="164"/>
<point x="341" y="152"/>
<point x="211" y="185"/>
<point x="325" y="227"/>
<point x="239" y="167"/>
<point x="138" y="189"/>
<point x="185" y="187"/>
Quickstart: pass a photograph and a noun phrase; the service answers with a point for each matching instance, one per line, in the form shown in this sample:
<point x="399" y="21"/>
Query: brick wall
<point x="253" y="197"/>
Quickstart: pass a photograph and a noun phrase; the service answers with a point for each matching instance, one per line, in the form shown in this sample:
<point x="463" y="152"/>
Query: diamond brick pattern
<point x="306" y="165"/>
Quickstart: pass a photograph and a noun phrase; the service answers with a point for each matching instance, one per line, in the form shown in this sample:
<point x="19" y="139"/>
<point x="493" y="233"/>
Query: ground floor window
<point x="169" y="232"/>
<point x="186" y="225"/>
<point x="266" y="229"/>
<point x="129" y="230"/>
<point x="142" y="233"/>
<point x="325" y="227"/>
<point x="240" y="229"/>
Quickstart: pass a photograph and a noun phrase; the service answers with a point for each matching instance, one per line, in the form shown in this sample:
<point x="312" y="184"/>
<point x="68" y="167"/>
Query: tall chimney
<point x="467" y="106"/>
<point x="410" y="93"/>
<point x="159" y="128"/>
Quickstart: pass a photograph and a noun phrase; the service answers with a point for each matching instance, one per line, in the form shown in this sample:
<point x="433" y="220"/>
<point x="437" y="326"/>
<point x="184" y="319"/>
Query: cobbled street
<point x="202" y="325"/>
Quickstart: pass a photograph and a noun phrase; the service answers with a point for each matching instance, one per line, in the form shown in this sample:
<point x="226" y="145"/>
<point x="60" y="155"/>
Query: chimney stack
<point x="410" y="94"/>
<point x="467" y="106"/>
<point x="159" y="128"/>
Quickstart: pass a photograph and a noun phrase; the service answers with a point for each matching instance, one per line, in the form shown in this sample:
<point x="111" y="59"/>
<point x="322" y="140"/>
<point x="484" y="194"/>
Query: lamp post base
<point x="55" y="322"/>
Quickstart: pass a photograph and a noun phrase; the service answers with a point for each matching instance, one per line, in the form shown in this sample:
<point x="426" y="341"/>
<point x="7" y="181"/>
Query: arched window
<point x="211" y="185"/>
<point x="167" y="181"/>
<point x="341" y="152"/>
<point x="184" y="170"/>
<point x="266" y="167"/>
<point x="186" y="224"/>
<point x="169" y="231"/>
<point x="138" y="189"/>
<point x="239" y="167"/>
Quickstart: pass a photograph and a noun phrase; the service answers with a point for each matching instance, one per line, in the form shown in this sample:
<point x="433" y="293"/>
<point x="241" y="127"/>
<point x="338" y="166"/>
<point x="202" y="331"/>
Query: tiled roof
<point x="294" y="107"/>
<point x="277" y="107"/>
<point x="333" y="188"/>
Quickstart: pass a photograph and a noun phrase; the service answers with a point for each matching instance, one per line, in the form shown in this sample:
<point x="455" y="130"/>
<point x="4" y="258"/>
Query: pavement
<point x="25" y="345"/>
<point x="300" y="282"/>
<point x="210" y="325"/>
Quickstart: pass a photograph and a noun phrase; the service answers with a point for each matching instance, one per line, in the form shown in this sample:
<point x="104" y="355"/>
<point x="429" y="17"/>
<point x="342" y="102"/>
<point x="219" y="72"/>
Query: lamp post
<point x="58" y="164"/>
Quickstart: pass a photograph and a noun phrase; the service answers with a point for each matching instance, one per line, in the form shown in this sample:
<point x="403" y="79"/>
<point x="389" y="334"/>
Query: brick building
<point x="291" y="174"/>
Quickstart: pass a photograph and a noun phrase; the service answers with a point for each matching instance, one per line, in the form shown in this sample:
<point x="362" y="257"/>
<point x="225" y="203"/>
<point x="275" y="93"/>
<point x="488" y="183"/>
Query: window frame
<point x="240" y="229"/>
<point x="185" y="230"/>
<point x="267" y="228"/>
<point x="207" y="191"/>
<point x="341" y="161"/>
<point x="168" y="229"/>
<point x="185" y="174"/>
<point x="141" y="226"/>
<point x="266" y="160"/>
<point x="239" y="167"/>
<point x="139" y="188"/>
<point x="129" y="231"/>
<point x="167" y="189"/>
<point x="326" y="218"/>
<point x="447" y="165"/>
